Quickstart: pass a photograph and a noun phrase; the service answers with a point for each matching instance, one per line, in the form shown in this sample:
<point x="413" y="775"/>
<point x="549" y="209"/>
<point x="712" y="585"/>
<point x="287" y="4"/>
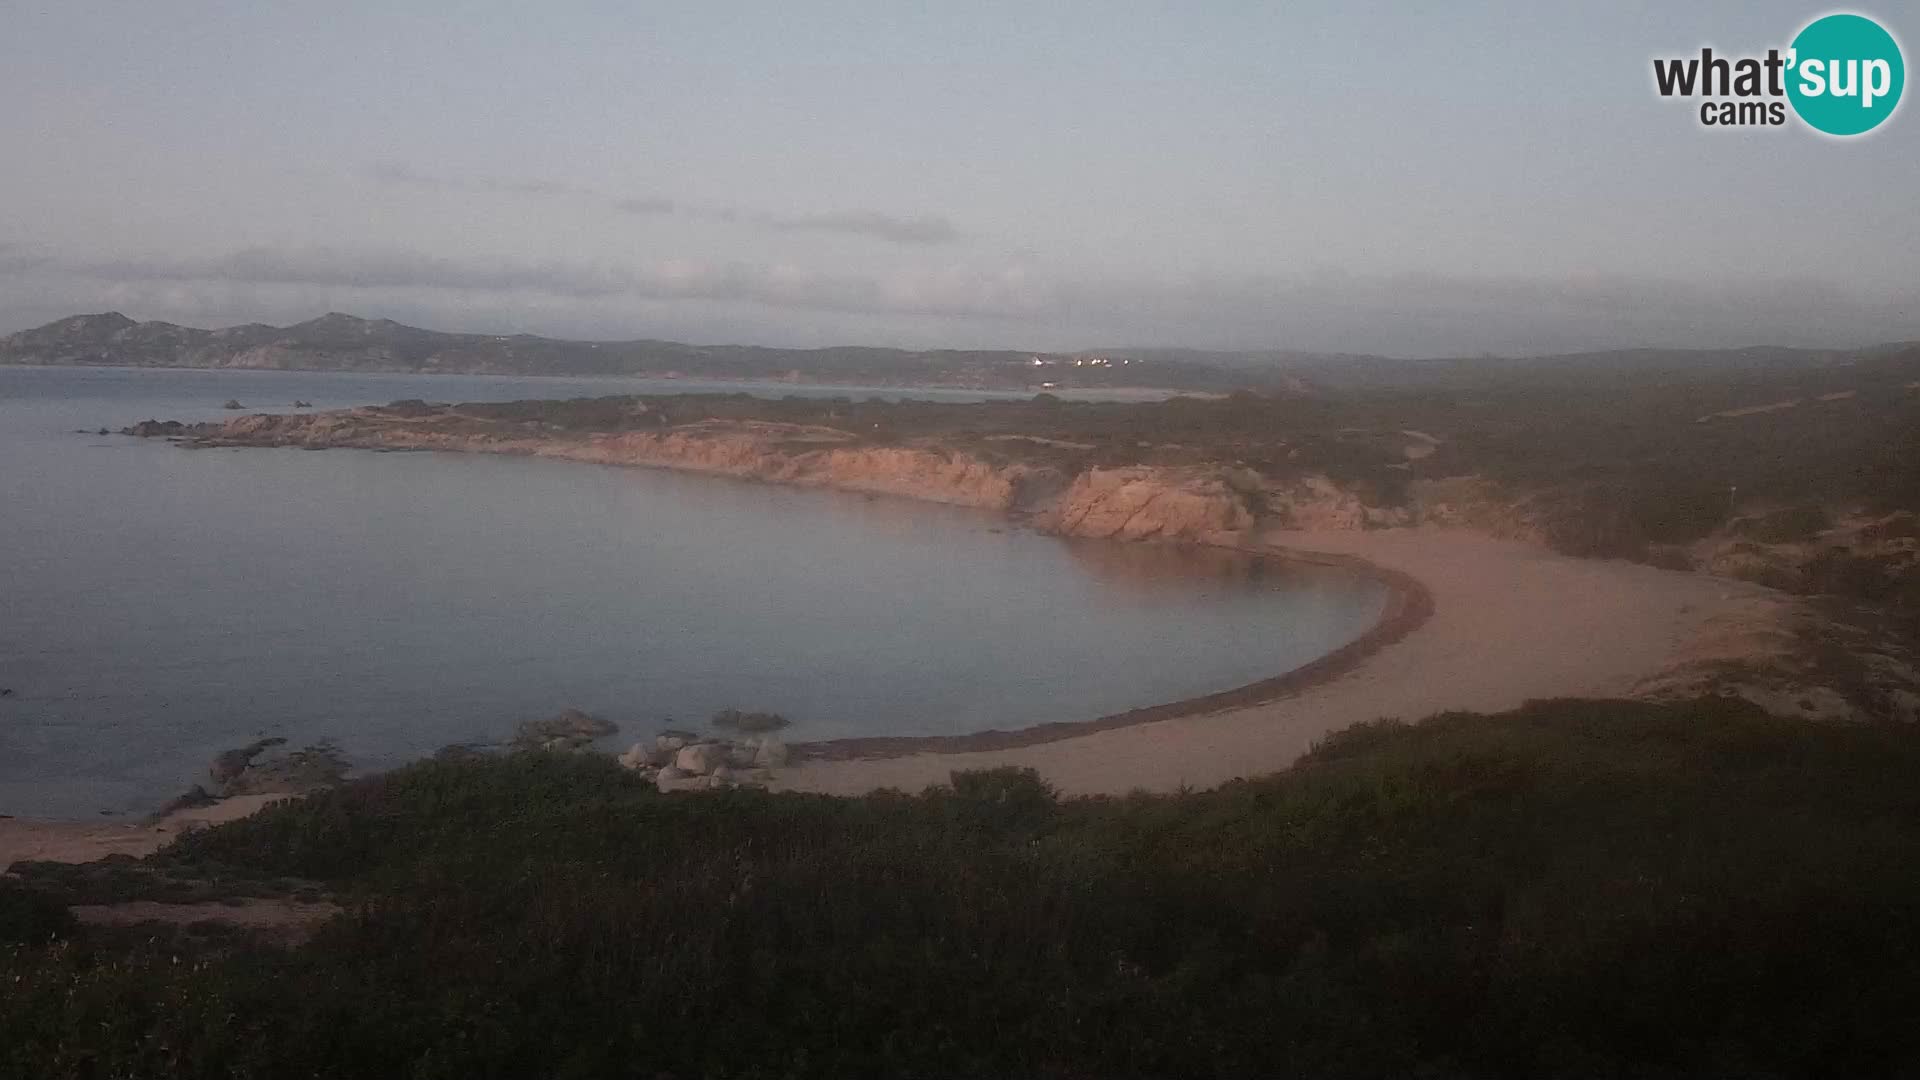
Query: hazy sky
<point x="1414" y="179"/>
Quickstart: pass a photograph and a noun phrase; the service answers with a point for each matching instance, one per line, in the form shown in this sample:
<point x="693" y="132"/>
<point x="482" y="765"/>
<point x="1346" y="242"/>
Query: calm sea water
<point x="158" y="605"/>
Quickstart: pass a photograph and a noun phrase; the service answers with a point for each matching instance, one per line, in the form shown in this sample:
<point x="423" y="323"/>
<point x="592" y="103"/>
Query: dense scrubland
<point x="1575" y="888"/>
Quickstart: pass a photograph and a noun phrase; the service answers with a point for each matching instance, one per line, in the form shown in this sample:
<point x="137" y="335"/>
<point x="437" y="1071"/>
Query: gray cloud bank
<point x="919" y="231"/>
<point x="1406" y="314"/>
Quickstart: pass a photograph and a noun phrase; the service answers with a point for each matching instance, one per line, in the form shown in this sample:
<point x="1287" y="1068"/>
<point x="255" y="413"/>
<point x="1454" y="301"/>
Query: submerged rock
<point x="750" y="722"/>
<point x="233" y="403"/>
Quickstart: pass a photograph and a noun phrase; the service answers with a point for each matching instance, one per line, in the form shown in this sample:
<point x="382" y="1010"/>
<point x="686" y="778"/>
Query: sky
<point x="1408" y="179"/>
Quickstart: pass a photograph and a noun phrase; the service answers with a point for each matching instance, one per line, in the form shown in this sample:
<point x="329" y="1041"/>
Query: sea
<point x="159" y="605"/>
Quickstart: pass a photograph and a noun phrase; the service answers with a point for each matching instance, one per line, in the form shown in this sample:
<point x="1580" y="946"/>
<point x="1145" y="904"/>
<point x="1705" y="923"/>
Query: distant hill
<point x="337" y="342"/>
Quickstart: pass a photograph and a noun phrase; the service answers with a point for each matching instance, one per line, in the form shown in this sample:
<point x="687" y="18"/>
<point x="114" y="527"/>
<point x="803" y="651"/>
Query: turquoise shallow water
<point x="158" y="605"/>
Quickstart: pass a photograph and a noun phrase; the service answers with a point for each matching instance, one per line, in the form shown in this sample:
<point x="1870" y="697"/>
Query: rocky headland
<point x="1198" y="503"/>
<point x="1233" y="473"/>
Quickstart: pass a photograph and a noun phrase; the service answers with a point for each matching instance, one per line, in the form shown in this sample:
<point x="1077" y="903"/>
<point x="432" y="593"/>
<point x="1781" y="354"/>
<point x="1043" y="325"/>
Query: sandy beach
<point x="84" y="841"/>
<point x="1511" y="622"/>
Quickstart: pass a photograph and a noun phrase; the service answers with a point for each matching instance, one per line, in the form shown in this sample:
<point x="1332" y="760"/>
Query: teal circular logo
<point x="1845" y="74"/>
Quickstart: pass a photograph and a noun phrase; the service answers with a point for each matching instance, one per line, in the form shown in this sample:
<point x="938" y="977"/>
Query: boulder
<point x="670" y="742"/>
<point x="770" y="754"/>
<point x="671" y="779"/>
<point x="639" y="756"/>
<point x="702" y="758"/>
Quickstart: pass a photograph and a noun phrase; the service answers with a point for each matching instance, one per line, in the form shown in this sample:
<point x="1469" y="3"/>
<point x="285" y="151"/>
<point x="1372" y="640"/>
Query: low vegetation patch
<point x="1575" y="888"/>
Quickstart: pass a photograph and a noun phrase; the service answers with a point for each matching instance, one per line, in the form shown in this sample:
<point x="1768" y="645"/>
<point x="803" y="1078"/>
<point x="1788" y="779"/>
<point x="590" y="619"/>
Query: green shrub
<point x="1792" y="525"/>
<point x="31" y="917"/>
<point x="1574" y="888"/>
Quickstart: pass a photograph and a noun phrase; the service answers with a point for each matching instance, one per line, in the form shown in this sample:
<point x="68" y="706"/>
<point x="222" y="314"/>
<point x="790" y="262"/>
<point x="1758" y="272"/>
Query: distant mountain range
<point x="337" y="342"/>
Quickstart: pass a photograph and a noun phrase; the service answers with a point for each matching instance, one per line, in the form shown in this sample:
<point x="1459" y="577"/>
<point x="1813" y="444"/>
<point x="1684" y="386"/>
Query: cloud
<point x="919" y="231"/>
<point x="773" y="285"/>
<point x="398" y="175"/>
<point x="15" y="260"/>
<point x="895" y="230"/>
<point x="645" y="205"/>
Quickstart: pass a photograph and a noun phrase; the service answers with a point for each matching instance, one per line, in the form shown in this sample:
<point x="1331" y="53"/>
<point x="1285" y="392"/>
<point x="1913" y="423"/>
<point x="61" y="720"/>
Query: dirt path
<point x="279" y="921"/>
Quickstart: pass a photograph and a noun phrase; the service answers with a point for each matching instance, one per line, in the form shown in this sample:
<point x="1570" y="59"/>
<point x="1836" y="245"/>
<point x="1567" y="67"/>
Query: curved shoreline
<point x="1409" y="601"/>
<point x="1409" y="605"/>
<point x="1503" y="622"/>
<point x="1507" y="623"/>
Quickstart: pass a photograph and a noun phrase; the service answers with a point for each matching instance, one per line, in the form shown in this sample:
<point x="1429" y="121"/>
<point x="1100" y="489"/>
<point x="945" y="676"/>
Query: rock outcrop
<point x="751" y="722"/>
<point x="243" y="771"/>
<point x="228" y="765"/>
<point x="1143" y="502"/>
<point x="569" y="730"/>
<point x="155" y="429"/>
<point x="676" y="761"/>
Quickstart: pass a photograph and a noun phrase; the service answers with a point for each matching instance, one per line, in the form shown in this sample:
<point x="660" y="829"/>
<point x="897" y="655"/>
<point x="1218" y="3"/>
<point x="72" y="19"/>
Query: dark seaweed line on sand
<point x="1409" y="605"/>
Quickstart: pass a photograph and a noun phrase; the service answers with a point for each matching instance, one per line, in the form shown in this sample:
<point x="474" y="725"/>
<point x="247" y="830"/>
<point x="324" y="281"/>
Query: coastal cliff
<point x="1222" y="471"/>
<point x="1195" y="504"/>
<point x="1056" y="487"/>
